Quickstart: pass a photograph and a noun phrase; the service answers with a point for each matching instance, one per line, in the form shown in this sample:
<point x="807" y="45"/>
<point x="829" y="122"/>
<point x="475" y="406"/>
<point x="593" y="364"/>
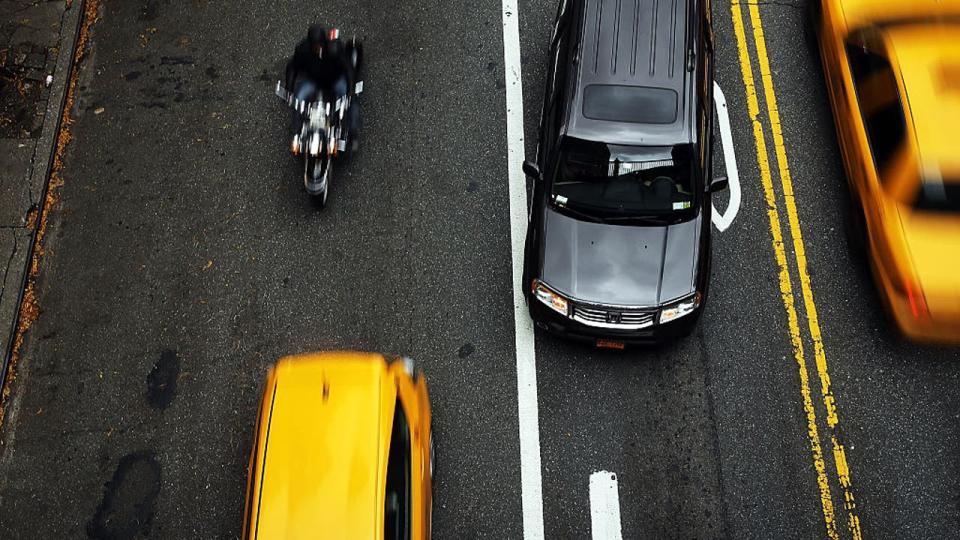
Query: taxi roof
<point x="326" y="446"/>
<point x="929" y="62"/>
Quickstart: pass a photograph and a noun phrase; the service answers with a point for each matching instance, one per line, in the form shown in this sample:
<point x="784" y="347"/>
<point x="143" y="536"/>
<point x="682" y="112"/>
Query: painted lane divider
<point x="605" y="506"/>
<point x="723" y="221"/>
<point x="531" y="490"/>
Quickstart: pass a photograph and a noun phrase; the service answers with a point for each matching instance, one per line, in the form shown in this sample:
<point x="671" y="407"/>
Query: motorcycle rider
<point x="320" y="65"/>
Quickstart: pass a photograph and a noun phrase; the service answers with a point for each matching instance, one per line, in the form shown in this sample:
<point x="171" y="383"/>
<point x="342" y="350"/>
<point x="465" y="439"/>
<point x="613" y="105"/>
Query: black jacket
<point x="323" y="71"/>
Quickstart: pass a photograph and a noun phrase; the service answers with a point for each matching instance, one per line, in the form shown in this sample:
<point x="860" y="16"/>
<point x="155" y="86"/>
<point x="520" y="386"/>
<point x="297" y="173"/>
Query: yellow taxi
<point x="892" y="70"/>
<point x="342" y="449"/>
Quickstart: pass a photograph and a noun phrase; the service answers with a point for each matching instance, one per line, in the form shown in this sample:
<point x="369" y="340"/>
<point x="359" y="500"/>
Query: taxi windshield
<point x="938" y="196"/>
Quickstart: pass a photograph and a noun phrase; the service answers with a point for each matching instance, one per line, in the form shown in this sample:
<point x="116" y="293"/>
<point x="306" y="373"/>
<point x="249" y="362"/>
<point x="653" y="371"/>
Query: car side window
<point x="398" y="503"/>
<point x="880" y="103"/>
<point x="705" y="89"/>
<point x="558" y="69"/>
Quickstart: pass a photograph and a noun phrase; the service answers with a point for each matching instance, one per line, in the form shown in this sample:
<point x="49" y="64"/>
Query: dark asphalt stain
<point x="153" y="105"/>
<point x="472" y="187"/>
<point x="491" y="65"/>
<point x="129" y="499"/>
<point x="176" y="61"/>
<point x="212" y="72"/>
<point x="162" y="380"/>
<point x="500" y="84"/>
<point x="132" y="76"/>
<point x="265" y="76"/>
<point x="151" y="8"/>
<point x="465" y="350"/>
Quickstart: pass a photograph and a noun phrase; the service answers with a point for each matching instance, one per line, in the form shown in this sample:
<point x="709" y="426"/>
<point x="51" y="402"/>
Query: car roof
<point x="928" y="57"/>
<point x="326" y="447"/>
<point x="635" y="44"/>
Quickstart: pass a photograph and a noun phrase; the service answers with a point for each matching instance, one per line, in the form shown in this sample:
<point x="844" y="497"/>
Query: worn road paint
<point x="531" y="493"/>
<point x="799" y="251"/>
<point x="786" y="288"/>
<point x="605" y="506"/>
<point x="722" y="222"/>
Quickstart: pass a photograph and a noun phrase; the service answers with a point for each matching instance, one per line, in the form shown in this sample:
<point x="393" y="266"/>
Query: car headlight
<point x="553" y="300"/>
<point x="679" y="309"/>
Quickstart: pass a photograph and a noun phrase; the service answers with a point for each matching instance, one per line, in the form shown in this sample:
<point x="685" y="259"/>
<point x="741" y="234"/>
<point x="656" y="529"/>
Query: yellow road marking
<point x="786" y="288"/>
<point x="793" y="218"/>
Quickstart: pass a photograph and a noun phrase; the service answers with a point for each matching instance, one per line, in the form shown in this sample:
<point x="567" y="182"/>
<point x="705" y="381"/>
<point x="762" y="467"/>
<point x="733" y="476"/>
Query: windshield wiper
<point x="649" y="220"/>
<point x="584" y="215"/>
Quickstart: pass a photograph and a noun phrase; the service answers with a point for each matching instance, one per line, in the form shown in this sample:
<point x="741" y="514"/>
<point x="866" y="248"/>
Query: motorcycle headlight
<point x="680" y="308"/>
<point x="553" y="300"/>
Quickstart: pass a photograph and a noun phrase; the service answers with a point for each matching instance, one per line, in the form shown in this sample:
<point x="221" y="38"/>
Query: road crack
<point x="6" y="270"/>
<point x="792" y="5"/>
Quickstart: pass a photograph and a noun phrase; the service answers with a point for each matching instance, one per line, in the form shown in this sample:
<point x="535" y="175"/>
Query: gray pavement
<point x="184" y="247"/>
<point x="33" y="77"/>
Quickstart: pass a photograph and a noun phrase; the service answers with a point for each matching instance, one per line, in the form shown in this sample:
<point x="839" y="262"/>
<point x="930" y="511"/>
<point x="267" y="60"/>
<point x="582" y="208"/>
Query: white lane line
<point x="527" y="412"/>
<point x="722" y="222"/>
<point x="605" y="506"/>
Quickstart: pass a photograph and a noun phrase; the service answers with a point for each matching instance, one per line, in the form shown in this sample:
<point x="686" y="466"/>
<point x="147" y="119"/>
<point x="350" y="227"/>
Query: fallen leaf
<point x="209" y="264"/>
<point x="98" y="110"/>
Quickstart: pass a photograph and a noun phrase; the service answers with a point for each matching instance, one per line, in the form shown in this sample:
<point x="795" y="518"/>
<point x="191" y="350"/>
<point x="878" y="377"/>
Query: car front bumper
<point x="569" y="328"/>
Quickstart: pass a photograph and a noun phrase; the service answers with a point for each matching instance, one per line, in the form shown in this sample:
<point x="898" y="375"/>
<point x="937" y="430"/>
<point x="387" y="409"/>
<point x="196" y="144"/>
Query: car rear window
<point x="938" y="197"/>
<point x="635" y="104"/>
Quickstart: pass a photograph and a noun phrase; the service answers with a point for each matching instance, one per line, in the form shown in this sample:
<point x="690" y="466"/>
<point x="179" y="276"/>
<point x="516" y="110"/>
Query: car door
<point x="839" y="81"/>
<point x="401" y="518"/>
<point x="554" y="92"/>
<point x="409" y="397"/>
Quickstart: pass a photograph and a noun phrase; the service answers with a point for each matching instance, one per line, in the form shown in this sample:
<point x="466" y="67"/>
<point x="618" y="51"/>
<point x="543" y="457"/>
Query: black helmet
<point x="317" y="35"/>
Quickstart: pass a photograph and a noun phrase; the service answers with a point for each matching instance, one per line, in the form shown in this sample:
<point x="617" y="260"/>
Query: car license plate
<point x="609" y="344"/>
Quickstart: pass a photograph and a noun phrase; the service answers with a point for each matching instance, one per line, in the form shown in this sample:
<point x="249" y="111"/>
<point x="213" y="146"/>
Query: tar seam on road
<point x="528" y="416"/>
<point x="28" y="310"/>
<point x="813" y="322"/>
<point x="786" y="288"/>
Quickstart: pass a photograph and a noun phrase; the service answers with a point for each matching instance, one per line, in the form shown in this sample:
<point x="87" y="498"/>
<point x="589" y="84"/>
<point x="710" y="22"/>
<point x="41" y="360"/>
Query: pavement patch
<point x="129" y="499"/>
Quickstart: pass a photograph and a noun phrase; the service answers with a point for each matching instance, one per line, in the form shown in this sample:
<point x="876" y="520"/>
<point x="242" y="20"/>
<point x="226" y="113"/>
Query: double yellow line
<point x="786" y="287"/>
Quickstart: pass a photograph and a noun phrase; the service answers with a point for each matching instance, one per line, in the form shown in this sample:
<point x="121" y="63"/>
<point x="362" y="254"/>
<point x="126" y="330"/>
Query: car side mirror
<point x="719" y="183"/>
<point x="530" y="169"/>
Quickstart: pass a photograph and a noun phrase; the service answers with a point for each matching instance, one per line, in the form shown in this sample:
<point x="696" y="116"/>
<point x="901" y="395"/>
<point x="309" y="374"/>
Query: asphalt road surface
<point x="184" y="257"/>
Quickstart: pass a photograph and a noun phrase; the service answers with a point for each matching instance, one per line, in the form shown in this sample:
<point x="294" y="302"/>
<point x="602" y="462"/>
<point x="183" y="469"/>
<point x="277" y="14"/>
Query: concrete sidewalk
<point x="37" y="39"/>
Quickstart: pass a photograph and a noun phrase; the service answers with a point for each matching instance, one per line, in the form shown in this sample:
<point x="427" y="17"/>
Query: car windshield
<point x="938" y="196"/>
<point x="612" y="183"/>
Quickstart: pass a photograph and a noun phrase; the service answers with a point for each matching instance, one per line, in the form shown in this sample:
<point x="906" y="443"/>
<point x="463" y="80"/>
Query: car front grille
<point x="609" y="317"/>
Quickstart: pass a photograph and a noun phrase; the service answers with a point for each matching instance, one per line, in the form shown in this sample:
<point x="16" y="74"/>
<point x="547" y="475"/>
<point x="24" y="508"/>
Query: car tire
<point x="432" y="458"/>
<point x="811" y="27"/>
<point x="855" y="231"/>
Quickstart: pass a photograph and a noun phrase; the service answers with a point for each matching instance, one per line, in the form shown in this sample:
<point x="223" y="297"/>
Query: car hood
<point x="934" y="243"/>
<point x="625" y="265"/>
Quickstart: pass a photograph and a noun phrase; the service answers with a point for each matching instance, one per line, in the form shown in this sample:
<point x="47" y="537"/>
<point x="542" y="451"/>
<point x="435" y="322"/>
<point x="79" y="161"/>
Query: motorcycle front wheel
<point x="316" y="178"/>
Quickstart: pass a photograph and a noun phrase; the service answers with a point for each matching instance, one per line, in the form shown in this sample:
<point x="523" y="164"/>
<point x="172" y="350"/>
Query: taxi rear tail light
<point x="918" y="304"/>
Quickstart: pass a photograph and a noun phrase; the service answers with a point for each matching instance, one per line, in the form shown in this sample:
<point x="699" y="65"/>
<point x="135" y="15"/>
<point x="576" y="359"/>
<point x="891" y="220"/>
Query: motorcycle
<point x="323" y="134"/>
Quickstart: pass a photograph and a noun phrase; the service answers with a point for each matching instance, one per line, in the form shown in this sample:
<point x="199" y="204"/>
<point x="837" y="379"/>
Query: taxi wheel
<point x="810" y="28"/>
<point x="856" y="233"/>
<point x="432" y="459"/>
